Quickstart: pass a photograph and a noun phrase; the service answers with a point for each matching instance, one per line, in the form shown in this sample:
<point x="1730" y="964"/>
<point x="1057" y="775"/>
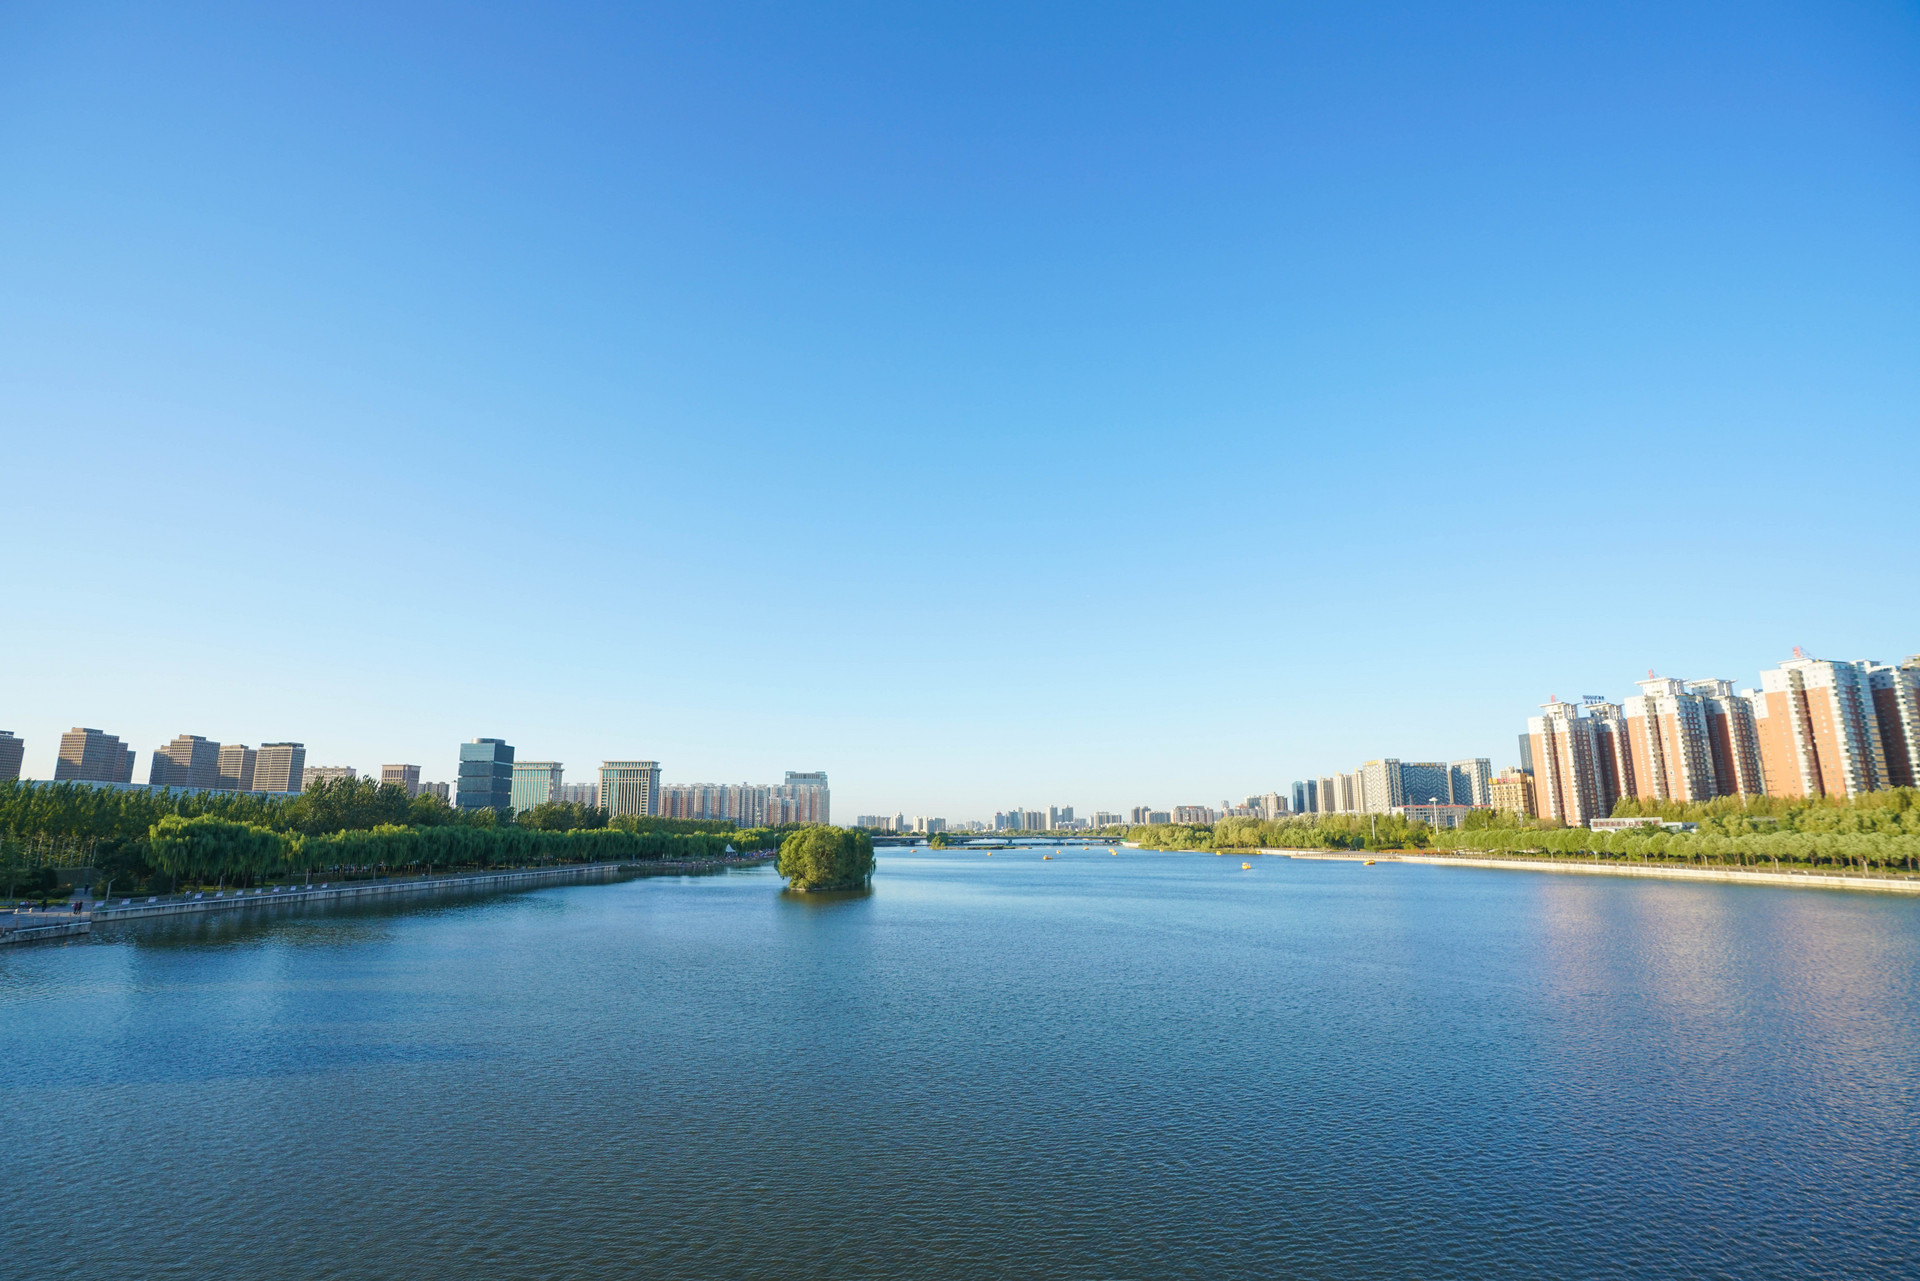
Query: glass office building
<point x="535" y="783"/>
<point x="486" y="775"/>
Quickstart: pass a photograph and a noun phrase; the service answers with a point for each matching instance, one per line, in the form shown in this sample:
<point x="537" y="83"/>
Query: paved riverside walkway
<point x="1590" y="867"/>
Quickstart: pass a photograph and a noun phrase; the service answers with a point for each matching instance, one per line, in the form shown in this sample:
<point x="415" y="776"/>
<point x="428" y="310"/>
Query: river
<point x="1142" y="1065"/>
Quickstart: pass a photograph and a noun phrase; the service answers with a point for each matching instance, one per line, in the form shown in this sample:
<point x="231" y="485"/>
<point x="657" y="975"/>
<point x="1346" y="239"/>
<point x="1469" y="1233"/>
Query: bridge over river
<point x="995" y="840"/>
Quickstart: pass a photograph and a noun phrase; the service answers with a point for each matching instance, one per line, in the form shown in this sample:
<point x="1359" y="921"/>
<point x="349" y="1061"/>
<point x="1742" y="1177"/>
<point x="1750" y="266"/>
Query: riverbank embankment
<point x="34" y="927"/>
<point x="328" y="892"/>
<point x="1584" y="867"/>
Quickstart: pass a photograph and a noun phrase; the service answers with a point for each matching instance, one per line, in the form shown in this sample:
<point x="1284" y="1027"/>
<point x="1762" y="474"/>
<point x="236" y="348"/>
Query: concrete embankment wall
<point x="369" y="889"/>
<point x="36" y="933"/>
<point x="1796" y="880"/>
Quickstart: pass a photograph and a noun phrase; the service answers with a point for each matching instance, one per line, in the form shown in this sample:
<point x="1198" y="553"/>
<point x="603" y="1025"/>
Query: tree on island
<point x="827" y="858"/>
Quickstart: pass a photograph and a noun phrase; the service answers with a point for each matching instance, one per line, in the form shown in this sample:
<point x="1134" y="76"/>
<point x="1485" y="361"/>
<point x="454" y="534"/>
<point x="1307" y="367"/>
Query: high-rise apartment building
<point x="1612" y="749"/>
<point x="12" y="752"/>
<point x="630" y="787"/>
<point x="1200" y="815"/>
<point x="1326" y="791"/>
<point x="1817" y="729"/>
<point x="1059" y="816"/>
<point x="1567" y="782"/>
<point x="1381" y="786"/>
<point x="1512" y="792"/>
<point x="485" y="781"/>
<point x="1101" y="818"/>
<point x="1471" y="781"/>
<point x="803" y="798"/>
<point x="535" y="783"/>
<point x="313" y="775"/>
<point x="1896" y="706"/>
<point x="1670" y="753"/>
<point x="1733" y="742"/>
<point x="1033" y="821"/>
<point x="89" y="756"/>
<point x="237" y="763"/>
<point x="407" y="776"/>
<point x="280" y="767"/>
<point x="188" y="761"/>
<point x="442" y="790"/>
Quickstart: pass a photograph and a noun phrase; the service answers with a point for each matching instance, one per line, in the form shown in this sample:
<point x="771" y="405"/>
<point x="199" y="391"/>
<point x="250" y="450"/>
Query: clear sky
<point x="988" y="404"/>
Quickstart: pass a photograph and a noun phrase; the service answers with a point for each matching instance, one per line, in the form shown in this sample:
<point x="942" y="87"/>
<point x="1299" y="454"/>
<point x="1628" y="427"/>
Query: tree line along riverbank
<point x="1877" y="830"/>
<point x="156" y="843"/>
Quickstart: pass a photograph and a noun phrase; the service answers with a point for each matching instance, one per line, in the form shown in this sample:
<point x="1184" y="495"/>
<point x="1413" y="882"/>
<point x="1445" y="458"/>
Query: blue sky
<point x="990" y="405"/>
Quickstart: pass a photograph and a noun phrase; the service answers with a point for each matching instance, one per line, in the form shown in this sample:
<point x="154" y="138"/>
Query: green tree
<point x="203" y="848"/>
<point x="827" y="858"/>
<point x="563" y="816"/>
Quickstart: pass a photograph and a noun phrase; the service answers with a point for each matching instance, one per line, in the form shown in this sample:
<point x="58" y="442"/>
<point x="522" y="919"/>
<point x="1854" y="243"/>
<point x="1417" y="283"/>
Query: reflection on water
<point x="1150" y="1065"/>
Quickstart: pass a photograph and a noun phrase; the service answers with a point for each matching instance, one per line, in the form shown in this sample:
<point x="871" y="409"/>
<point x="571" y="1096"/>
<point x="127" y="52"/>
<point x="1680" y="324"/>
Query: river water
<point x="1149" y="1065"/>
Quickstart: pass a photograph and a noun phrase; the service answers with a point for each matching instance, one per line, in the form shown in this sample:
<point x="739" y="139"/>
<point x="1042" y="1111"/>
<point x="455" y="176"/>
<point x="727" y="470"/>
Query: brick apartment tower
<point x="1818" y="732"/>
<point x="1896" y="706"/>
<point x="1672" y="757"/>
<point x="1568" y="783"/>
<point x="1614" y="776"/>
<point x="1732" y="738"/>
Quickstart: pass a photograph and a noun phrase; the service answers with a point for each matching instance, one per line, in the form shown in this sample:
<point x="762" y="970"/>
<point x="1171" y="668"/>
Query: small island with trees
<point x="827" y="858"/>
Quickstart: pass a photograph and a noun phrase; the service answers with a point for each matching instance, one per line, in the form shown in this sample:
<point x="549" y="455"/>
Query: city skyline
<point x="1889" y="688"/>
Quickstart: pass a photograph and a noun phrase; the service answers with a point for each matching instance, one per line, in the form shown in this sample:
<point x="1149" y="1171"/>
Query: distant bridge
<point x="997" y="840"/>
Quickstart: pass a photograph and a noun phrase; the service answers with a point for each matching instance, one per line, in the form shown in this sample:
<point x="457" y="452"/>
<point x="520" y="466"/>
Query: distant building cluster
<point x="803" y="798"/>
<point x="1814" y="727"/>
<point x="1386" y="785"/>
<point x="1054" y="818"/>
<point x="487" y="776"/>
